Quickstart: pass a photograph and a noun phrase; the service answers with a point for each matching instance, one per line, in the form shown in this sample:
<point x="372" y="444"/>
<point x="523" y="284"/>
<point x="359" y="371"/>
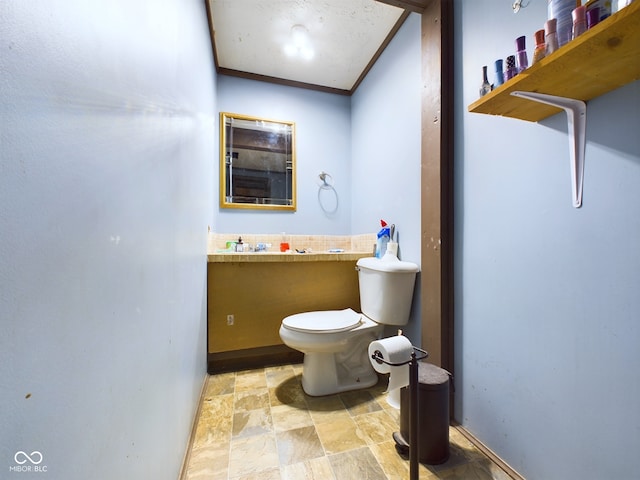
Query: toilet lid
<point x="327" y="321"/>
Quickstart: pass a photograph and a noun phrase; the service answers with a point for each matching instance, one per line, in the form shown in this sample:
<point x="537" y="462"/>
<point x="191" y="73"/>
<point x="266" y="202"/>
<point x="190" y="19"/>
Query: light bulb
<point x="300" y="43"/>
<point x="299" y="35"/>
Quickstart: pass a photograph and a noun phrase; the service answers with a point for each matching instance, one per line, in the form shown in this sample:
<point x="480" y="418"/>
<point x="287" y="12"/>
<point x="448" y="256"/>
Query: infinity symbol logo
<point x="35" y="458"/>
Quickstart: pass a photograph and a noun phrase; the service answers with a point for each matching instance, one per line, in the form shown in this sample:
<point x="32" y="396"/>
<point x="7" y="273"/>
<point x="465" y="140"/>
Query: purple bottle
<point x="593" y="17"/>
<point x="521" y="48"/>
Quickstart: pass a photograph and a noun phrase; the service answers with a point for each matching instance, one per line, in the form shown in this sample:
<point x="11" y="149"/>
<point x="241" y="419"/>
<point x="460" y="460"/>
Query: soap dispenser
<point x="239" y="245"/>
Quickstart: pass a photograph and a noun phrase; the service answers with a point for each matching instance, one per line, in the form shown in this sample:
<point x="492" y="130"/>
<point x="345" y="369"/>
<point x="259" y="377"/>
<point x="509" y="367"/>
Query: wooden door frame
<point x="436" y="294"/>
<point x="436" y="285"/>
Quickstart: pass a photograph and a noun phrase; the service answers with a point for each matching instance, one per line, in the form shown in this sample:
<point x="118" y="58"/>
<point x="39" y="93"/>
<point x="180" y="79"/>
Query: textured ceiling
<point x="342" y="37"/>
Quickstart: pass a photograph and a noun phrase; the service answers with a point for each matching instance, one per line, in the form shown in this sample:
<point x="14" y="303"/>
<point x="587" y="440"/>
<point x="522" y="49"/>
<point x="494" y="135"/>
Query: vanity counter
<point x="278" y="257"/>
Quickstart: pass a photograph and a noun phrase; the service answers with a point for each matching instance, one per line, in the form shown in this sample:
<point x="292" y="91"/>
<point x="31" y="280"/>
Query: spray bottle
<point x="384" y="235"/>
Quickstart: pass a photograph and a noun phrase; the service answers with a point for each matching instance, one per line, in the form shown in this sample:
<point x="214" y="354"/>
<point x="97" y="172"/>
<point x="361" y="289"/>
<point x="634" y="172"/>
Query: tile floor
<point x="259" y="424"/>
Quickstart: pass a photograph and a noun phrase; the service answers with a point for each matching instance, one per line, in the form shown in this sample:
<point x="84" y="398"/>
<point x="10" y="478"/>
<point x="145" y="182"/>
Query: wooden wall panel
<point x="260" y="295"/>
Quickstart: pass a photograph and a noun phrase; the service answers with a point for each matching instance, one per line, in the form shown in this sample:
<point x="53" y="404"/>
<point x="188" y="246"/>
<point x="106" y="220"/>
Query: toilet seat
<point x="327" y="321"/>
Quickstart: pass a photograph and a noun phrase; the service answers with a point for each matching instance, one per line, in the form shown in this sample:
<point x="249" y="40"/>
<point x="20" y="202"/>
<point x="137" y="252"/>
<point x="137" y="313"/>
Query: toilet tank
<point x="386" y="289"/>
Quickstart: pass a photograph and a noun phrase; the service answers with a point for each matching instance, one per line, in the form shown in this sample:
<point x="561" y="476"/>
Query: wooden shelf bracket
<point x="576" y="128"/>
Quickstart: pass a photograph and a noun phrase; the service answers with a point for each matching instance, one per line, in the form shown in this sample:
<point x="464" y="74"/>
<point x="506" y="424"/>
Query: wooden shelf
<point x="602" y="59"/>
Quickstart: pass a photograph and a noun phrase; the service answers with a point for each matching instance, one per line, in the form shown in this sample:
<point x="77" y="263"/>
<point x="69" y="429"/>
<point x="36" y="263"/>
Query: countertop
<point x="266" y="257"/>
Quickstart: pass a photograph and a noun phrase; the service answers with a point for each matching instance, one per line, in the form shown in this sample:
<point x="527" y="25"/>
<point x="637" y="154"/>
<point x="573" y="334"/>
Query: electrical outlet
<point x="230" y="319"/>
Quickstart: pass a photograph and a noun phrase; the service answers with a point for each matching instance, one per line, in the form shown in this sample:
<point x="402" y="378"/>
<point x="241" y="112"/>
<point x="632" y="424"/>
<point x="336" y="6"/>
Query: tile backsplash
<point x="315" y="243"/>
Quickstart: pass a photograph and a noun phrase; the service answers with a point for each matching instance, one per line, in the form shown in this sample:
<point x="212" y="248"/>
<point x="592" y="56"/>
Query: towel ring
<point x="323" y="178"/>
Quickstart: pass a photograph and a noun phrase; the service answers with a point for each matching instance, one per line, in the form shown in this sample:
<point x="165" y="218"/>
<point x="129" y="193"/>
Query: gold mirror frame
<point x="257" y="163"/>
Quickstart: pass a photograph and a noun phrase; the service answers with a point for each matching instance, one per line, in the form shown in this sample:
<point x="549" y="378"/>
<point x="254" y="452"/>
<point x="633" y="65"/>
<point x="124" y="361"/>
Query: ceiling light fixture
<point x="300" y="45"/>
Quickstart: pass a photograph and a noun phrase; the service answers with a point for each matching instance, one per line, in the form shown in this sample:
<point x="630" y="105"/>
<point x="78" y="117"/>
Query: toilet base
<point x="330" y="373"/>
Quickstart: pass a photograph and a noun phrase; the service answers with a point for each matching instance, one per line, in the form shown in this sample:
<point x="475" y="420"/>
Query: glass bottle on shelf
<point x="486" y="86"/>
<point x="510" y="70"/>
<point x="499" y="74"/>
<point x="593" y="17"/>
<point x="521" y="49"/>
<point x="579" y="16"/>
<point x="541" y="47"/>
<point x="551" y="35"/>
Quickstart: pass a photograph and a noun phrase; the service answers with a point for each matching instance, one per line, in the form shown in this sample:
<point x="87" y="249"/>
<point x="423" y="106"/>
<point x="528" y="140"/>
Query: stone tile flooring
<point x="259" y="424"/>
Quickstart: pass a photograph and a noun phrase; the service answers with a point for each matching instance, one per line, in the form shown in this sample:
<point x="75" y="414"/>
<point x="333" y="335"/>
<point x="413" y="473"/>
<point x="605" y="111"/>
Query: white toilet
<point x="335" y="342"/>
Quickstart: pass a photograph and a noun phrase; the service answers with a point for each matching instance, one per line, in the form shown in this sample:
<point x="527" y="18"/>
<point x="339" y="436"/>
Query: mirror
<point x="257" y="163"/>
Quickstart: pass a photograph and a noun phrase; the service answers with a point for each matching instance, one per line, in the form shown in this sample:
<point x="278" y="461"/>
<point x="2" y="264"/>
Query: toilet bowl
<point x="335" y="342"/>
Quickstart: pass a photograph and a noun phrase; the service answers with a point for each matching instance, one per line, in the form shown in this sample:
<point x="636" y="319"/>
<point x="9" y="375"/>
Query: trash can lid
<point x="429" y="374"/>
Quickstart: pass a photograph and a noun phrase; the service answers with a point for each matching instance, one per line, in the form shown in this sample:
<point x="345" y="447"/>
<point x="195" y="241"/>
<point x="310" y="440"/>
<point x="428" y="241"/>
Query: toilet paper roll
<point x="395" y="350"/>
<point x="393" y="398"/>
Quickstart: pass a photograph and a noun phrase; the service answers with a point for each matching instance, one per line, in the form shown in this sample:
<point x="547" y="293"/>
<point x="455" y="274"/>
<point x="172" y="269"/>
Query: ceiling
<point x="327" y="45"/>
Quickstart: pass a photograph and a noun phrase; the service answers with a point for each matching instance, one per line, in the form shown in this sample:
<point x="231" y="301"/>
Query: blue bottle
<point x="384" y="235"/>
<point x="499" y="74"/>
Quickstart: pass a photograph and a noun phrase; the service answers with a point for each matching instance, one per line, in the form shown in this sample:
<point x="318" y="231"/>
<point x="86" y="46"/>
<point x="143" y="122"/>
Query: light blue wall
<point x="369" y="143"/>
<point x="106" y="111"/>
<point x="323" y="143"/>
<point x="385" y="150"/>
<point x="106" y="191"/>
<point x="547" y="323"/>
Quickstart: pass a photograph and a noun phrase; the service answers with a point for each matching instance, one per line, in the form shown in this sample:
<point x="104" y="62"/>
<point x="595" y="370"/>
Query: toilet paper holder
<point x="377" y="356"/>
<point x="413" y="410"/>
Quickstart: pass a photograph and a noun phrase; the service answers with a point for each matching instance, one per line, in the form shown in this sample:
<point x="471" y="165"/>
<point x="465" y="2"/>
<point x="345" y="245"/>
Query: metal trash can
<point x="433" y="415"/>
